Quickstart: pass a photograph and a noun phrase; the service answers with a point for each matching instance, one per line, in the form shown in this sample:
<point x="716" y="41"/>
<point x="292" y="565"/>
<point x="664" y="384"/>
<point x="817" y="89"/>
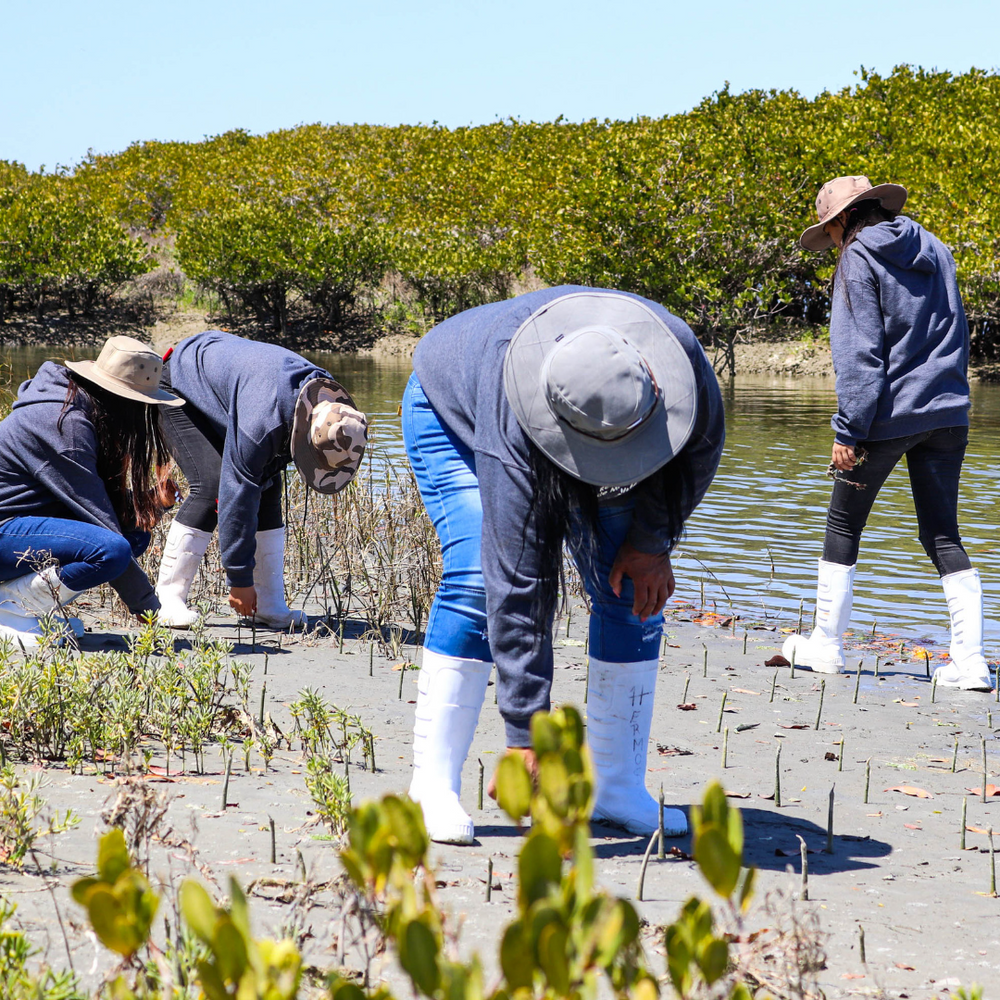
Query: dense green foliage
<point x="700" y="211"/>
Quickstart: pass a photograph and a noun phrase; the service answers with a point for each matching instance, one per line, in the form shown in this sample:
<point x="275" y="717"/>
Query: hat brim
<point x="314" y="474"/>
<point x="641" y="452"/>
<point x="157" y="396"/>
<point x="891" y="196"/>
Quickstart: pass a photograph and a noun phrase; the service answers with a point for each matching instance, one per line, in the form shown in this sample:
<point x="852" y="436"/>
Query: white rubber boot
<point x="450" y="692"/>
<point x="24" y="601"/>
<point x="823" y="651"/>
<point x="182" y="555"/>
<point x="269" y="581"/>
<point x="967" y="668"/>
<point x="619" y="716"/>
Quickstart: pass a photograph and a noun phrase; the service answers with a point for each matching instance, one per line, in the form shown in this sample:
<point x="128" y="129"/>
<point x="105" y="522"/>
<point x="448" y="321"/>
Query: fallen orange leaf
<point x="853" y="975"/>
<point x="744" y="691"/>
<point x="918" y="793"/>
<point x="913" y="826"/>
<point x="907" y="968"/>
<point x="990" y="790"/>
<point x="976" y="829"/>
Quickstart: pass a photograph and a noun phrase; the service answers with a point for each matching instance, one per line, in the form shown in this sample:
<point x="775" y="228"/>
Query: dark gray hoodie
<point x="247" y="391"/>
<point x="898" y="334"/>
<point x="48" y="468"/>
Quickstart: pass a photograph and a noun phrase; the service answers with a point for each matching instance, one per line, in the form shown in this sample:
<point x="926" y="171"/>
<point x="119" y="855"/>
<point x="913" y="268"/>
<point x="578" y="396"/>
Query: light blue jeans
<point x="445" y="471"/>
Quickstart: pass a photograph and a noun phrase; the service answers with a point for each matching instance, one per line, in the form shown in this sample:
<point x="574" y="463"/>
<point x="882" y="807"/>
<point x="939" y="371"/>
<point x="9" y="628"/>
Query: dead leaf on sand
<point x="737" y="795"/>
<point x="913" y="826"/>
<point x="905" y="967"/>
<point x="665" y="751"/>
<point x="744" y="691"/>
<point x="792" y="725"/>
<point x="918" y="793"/>
<point x="990" y="790"/>
<point x="853" y="975"/>
<point x="688" y="707"/>
<point x="777" y="661"/>
<point x="976" y="829"/>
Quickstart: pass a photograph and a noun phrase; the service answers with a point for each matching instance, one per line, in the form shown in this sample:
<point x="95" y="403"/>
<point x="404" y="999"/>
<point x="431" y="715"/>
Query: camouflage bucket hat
<point x="329" y="435"/>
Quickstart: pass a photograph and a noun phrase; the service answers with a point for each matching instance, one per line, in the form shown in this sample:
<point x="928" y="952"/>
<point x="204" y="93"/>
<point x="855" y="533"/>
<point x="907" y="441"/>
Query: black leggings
<point x="934" y="462"/>
<point x="197" y="449"/>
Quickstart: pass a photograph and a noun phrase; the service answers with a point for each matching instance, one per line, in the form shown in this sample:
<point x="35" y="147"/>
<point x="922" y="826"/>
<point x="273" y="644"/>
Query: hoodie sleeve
<point x="245" y="464"/>
<point x="857" y="342"/>
<point x="650" y="521"/>
<point x="510" y="560"/>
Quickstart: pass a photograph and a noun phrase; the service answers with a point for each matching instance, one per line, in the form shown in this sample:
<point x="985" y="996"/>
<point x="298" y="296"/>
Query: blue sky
<point x="103" y="74"/>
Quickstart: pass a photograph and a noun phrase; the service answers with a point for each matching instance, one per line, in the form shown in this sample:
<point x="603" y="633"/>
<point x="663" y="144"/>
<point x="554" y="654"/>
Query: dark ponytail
<point x="130" y="451"/>
<point x="860" y="216"/>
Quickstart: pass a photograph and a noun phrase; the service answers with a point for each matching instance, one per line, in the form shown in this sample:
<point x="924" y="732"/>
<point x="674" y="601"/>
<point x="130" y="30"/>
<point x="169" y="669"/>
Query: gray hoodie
<point x="460" y="367"/>
<point x="247" y="391"/>
<point x="898" y="335"/>
<point x="48" y="468"/>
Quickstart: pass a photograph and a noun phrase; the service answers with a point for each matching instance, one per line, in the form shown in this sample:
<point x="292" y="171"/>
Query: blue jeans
<point x="445" y="470"/>
<point x="87" y="555"/>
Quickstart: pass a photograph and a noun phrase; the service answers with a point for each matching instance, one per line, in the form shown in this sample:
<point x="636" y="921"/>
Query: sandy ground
<point x="896" y="867"/>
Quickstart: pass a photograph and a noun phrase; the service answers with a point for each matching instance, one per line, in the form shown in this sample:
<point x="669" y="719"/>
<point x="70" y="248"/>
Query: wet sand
<point x="896" y="867"/>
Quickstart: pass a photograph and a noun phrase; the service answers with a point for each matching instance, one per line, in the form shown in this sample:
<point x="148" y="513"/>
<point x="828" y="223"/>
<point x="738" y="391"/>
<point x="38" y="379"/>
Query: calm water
<point x="754" y="541"/>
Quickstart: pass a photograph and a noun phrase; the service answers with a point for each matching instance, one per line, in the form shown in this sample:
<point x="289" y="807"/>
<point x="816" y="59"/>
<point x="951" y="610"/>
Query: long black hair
<point x="860" y="215"/>
<point x="130" y="450"/>
<point x="565" y="509"/>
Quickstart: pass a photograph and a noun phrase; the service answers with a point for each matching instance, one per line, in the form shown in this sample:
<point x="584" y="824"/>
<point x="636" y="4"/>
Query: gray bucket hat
<point x="329" y="435"/>
<point x="601" y="386"/>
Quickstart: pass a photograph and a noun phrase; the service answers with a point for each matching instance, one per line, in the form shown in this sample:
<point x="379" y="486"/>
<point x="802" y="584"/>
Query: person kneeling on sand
<point x="576" y="415"/>
<point x="900" y="345"/>
<point x="249" y="409"/>
<point x="77" y="494"/>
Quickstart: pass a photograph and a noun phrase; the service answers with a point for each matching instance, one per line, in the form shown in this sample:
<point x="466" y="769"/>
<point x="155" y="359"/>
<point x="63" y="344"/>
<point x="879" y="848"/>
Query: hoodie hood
<point x="901" y="243"/>
<point x="48" y="385"/>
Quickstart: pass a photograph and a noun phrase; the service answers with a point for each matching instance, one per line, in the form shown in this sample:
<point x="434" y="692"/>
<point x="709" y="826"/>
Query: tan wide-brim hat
<point x="841" y="193"/>
<point x="127" y="367"/>
<point x="329" y="435"/>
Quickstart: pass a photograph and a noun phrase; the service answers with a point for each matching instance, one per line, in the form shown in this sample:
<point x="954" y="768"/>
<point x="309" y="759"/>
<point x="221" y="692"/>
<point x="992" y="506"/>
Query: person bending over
<point x="571" y="415"/>
<point x="249" y="409"/>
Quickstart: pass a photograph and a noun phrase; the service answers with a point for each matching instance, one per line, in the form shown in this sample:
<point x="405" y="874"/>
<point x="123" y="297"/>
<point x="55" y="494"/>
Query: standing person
<point x="577" y="415"/>
<point x="900" y="347"/>
<point x="249" y="409"/>
<point x="77" y="496"/>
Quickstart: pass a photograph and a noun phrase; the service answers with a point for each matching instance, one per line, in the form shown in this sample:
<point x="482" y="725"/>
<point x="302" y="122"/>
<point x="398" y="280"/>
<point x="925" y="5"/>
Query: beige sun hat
<point x="329" y="435"/>
<point x="839" y="194"/>
<point x="127" y="367"/>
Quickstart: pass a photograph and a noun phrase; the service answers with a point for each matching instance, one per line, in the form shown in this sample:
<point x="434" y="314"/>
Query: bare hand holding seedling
<point x="530" y="762"/>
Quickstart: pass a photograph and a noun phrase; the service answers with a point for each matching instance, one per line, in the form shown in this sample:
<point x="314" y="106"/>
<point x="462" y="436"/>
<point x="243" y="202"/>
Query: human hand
<point x="243" y="600"/>
<point x="843" y="457"/>
<point x="651" y="575"/>
<point x="530" y="761"/>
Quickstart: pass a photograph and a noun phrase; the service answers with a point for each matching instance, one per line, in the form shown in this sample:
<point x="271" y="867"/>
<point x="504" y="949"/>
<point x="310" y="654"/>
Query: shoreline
<point x="789" y="358"/>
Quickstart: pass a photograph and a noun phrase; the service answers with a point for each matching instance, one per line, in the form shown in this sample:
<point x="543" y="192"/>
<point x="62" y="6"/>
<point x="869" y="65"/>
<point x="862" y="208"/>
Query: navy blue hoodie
<point x="48" y="468"/>
<point x="460" y="367"/>
<point x="247" y="391"/>
<point x="898" y="335"/>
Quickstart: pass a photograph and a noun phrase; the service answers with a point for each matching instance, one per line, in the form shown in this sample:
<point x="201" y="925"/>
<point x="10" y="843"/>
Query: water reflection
<point x="754" y="542"/>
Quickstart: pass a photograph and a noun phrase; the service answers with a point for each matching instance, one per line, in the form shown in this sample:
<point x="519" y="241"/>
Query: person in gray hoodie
<point x="571" y="414"/>
<point x="249" y="409"/>
<point x="900" y="346"/>
<point x="78" y="497"/>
